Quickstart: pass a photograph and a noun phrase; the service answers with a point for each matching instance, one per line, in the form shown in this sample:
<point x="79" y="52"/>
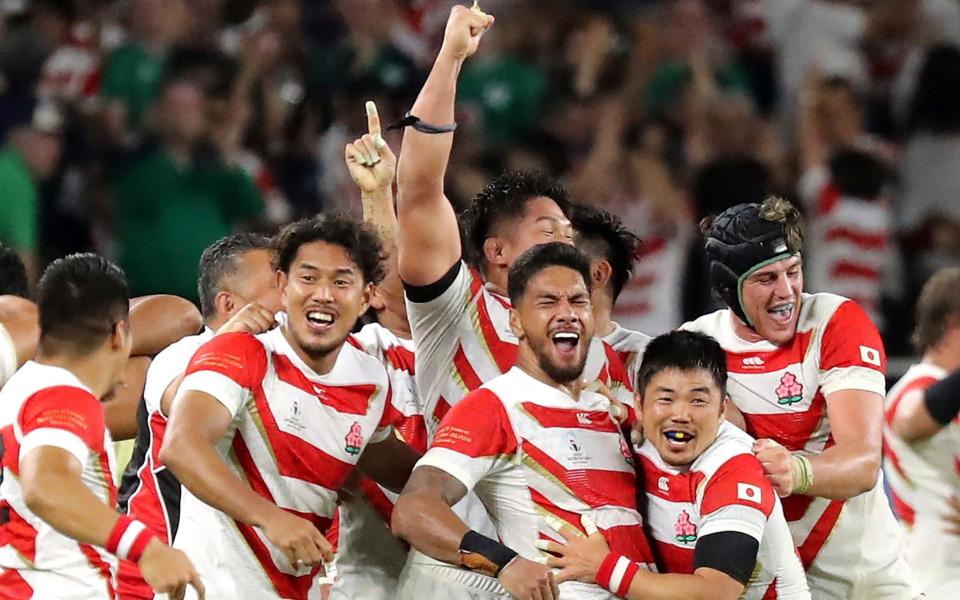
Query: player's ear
<point x="282" y="286"/>
<point x="120" y="336"/>
<point x="724" y="402"/>
<point x="600" y="272"/>
<point x="369" y="290"/>
<point x="377" y="301"/>
<point x="515" y="325"/>
<point x="223" y="303"/>
<point x="493" y="251"/>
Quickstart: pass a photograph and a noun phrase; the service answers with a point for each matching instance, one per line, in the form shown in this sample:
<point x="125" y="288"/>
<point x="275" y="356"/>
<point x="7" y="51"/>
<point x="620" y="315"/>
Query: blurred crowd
<point x="147" y="129"/>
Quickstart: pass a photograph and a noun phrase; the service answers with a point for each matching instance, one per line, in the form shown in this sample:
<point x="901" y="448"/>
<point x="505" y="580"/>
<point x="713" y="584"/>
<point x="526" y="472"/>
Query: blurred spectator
<point x="180" y="198"/>
<point x="31" y="156"/>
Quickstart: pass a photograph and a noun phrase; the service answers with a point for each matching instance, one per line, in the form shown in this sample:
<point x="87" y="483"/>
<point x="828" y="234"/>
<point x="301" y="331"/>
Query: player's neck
<point x="528" y="363"/>
<point x="744" y="331"/>
<point x="89" y="368"/>
<point x="947" y="359"/>
<point x="496" y="280"/>
<point x="320" y="364"/>
<point x="396" y="324"/>
<point x="603" y="324"/>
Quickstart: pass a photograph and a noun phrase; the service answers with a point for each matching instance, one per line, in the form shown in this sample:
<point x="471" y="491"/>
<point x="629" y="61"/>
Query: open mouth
<point x="678" y="439"/>
<point x="782" y="313"/>
<point x="320" y="321"/>
<point x="566" y="341"/>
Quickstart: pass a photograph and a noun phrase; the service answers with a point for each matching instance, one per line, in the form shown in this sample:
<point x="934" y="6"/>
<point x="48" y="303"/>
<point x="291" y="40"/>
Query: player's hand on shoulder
<point x="778" y="465"/>
<point x="252" y="318"/>
<point x="465" y="27"/>
<point x="529" y="580"/>
<point x="297" y="538"/>
<point x="169" y="571"/>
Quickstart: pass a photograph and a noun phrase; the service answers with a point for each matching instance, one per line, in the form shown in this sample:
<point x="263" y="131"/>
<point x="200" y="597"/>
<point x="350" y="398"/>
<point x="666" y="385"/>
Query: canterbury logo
<point x="753" y="361"/>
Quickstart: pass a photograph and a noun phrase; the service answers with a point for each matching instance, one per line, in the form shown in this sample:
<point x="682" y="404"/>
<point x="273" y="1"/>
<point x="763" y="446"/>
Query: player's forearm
<point x="389" y="463"/>
<point x="201" y="470"/>
<point x="160" y="320"/>
<point x="912" y="421"/>
<point x="844" y="471"/>
<point x="426" y="522"/>
<point x="121" y="409"/>
<point x="674" y="586"/>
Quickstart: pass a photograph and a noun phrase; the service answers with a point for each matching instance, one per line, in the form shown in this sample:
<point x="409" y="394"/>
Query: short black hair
<point x="543" y="256"/>
<point x="13" y="273"/>
<point x="602" y="235"/>
<point x="221" y="259"/>
<point x="859" y="174"/>
<point x="503" y="198"/>
<point x="359" y="240"/>
<point x="684" y="350"/>
<point x="81" y="298"/>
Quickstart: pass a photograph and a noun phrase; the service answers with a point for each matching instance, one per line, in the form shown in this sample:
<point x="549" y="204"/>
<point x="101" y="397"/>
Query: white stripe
<point x="619" y="570"/>
<point x="226" y="391"/>
<point x="128" y="538"/>
<point x="58" y="438"/>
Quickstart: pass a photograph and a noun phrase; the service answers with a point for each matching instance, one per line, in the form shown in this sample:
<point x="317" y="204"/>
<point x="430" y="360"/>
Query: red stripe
<point x="652" y="246"/>
<point x="13" y="586"/>
<point x="102" y="568"/>
<point x="904" y="511"/>
<point x="377" y="498"/>
<point x="631" y="572"/>
<point x="791" y="430"/>
<point x="617" y="368"/>
<point x="680" y="487"/>
<point x="893" y="460"/>
<point x="504" y="353"/>
<point x="570" y="518"/>
<point x="864" y="239"/>
<point x="641" y="281"/>
<point x="297" y="458"/>
<point x="775" y="360"/>
<point x="346" y="399"/>
<point x="469" y="377"/>
<point x="10" y="457"/>
<point x="18" y="533"/>
<point x="635" y="308"/>
<point x="920" y="383"/>
<point x="570" y="418"/>
<point x="674" y="559"/>
<point x="441" y="410"/>
<point x="413" y="431"/>
<point x="130" y="583"/>
<point x="852" y="270"/>
<point x="771" y="593"/>
<point x="829" y="198"/>
<point x="400" y="358"/>
<point x="811" y="546"/>
<point x="287" y="586"/>
<point x="595" y="487"/>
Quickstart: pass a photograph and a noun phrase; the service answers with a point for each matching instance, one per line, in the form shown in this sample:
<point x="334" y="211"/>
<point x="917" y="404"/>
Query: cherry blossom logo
<point x="790" y="391"/>
<point x="354" y="439"/>
<point x="686" y="530"/>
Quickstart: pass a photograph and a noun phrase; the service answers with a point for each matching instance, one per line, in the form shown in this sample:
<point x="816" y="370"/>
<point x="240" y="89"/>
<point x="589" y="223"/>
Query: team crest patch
<point x="685" y="530"/>
<point x="790" y="391"/>
<point x="354" y="439"/>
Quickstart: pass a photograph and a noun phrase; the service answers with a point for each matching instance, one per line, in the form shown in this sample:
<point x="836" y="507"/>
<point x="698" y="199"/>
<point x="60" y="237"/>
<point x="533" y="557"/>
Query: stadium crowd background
<point x="146" y="129"/>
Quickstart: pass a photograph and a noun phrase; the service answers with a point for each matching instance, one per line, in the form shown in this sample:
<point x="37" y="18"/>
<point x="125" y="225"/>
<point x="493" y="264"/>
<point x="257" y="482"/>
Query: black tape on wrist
<point x="483" y="555"/>
<point x="409" y="120"/>
<point x="943" y="398"/>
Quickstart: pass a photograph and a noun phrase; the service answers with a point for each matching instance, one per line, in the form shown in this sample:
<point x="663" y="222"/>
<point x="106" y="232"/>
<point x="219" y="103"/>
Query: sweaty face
<point x="682" y="411"/>
<point x="542" y="222"/>
<point x="256" y="281"/>
<point x="324" y="294"/>
<point x="771" y="299"/>
<point x="556" y="319"/>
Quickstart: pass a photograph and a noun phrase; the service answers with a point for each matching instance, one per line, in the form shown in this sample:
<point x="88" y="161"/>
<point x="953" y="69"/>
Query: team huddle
<point x="431" y="405"/>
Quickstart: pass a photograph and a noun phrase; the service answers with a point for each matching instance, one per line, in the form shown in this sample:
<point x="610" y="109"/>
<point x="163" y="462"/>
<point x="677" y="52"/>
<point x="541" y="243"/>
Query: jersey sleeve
<point x="475" y="439"/>
<point x="64" y="417"/>
<point x="228" y="367"/>
<point x="852" y="356"/>
<point x="737" y="498"/>
<point x="8" y="355"/>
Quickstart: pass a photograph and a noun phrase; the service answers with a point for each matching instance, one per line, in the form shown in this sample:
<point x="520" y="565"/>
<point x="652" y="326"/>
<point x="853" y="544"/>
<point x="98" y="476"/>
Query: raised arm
<point x="160" y="320"/>
<point x="429" y="236"/>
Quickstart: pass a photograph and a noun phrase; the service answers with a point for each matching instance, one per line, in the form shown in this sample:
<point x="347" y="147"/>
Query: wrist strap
<point x="128" y="539"/>
<point x="480" y="553"/>
<point x="802" y="474"/>
<point x="409" y="120"/>
<point x="616" y="573"/>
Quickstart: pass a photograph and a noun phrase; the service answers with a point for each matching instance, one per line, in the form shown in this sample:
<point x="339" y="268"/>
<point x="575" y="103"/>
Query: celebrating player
<point x="265" y="429"/>
<point x="535" y="446"/>
<point x="718" y="525"/>
<point x="236" y="274"/>
<point x="459" y="314"/>
<point x="922" y="437"/>
<point x="807" y="372"/>
<point x="57" y="496"/>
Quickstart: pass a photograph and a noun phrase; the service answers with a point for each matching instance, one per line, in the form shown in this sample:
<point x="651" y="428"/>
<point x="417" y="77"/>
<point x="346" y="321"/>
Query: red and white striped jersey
<point x="8" y="355"/>
<point x="369" y="558"/>
<point x="531" y="452"/>
<point x="149" y="492"/>
<point x="848" y="243"/>
<point x="782" y="391"/>
<point x="723" y="490"/>
<point x="295" y="437"/>
<point x="629" y="346"/>
<point x="42" y="405"/>
<point x="464" y="339"/>
<point x="922" y="477"/>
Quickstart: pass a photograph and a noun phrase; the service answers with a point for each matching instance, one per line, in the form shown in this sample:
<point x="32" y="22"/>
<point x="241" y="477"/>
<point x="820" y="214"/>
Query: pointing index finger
<point x="373" y="118"/>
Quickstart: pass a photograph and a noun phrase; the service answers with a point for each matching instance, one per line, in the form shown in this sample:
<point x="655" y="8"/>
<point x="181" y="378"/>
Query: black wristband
<point x="943" y="398"/>
<point x="409" y="120"/>
<point x="480" y="553"/>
